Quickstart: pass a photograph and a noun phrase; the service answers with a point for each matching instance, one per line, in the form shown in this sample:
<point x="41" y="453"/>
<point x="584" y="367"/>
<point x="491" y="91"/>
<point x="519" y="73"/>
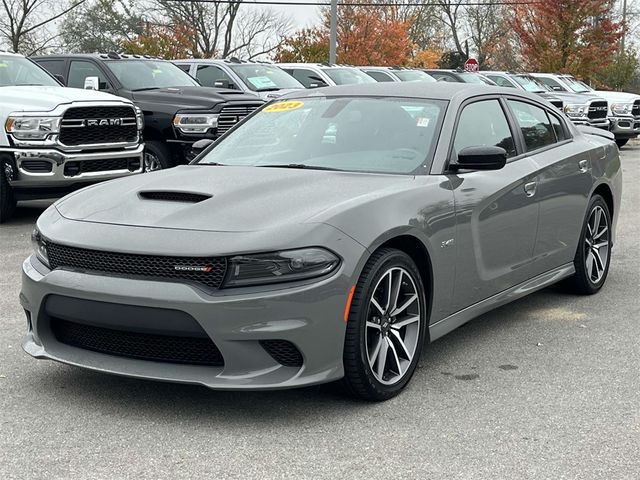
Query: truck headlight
<point x="621" y="108"/>
<point x="139" y="118"/>
<point x="277" y="267"/>
<point x="32" y="128"/>
<point x="576" y="110"/>
<point x="40" y="247"/>
<point x="195" y="122"/>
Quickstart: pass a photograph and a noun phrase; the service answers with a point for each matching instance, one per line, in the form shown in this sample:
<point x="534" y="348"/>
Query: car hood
<point x="45" y="99"/>
<point x="576" y="98"/>
<point x="242" y="199"/>
<point x="617" y="97"/>
<point x="271" y="95"/>
<point x="192" y="97"/>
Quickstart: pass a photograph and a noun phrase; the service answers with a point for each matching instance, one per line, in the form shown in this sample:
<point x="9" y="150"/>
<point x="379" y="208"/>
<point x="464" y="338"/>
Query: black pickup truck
<point x="178" y="111"/>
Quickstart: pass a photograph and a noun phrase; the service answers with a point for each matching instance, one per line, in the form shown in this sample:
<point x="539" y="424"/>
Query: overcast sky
<point x="301" y="15"/>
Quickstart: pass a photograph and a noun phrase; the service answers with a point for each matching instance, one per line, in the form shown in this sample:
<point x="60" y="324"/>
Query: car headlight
<point x="283" y="266"/>
<point x="40" y="247"/>
<point x="32" y="128"/>
<point x="139" y="118"/>
<point x="621" y="108"/>
<point x="195" y="122"/>
<point x="576" y="110"/>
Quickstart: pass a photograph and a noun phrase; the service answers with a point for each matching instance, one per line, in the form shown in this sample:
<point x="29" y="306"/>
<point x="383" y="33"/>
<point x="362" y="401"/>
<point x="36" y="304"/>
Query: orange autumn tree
<point x="576" y="36"/>
<point x="370" y="35"/>
<point x="163" y="41"/>
<point x="427" y="58"/>
<point x="309" y="45"/>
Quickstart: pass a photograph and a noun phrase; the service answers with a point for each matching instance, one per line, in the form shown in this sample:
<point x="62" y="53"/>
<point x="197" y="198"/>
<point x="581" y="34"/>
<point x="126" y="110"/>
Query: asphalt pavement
<point x="545" y="388"/>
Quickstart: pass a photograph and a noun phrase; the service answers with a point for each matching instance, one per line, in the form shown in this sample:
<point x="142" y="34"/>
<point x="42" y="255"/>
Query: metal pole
<point x="333" y="35"/>
<point x="624" y="23"/>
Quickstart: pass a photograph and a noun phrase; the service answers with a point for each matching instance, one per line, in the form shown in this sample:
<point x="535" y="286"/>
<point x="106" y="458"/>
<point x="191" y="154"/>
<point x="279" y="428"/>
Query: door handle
<point x="530" y="188"/>
<point x="583" y="165"/>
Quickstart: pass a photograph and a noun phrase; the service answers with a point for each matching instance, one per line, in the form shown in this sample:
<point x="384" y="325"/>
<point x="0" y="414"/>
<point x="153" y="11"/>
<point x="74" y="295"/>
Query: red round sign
<point x="471" y="65"/>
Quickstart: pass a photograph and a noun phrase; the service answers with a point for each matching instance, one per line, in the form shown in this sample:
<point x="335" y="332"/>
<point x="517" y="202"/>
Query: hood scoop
<point x="169" y="196"/>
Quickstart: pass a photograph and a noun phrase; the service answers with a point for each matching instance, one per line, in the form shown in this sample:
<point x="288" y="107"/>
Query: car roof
<point x="10" y="54"/>
<point x="100" y="56"/>
<point x="436" y="91"/>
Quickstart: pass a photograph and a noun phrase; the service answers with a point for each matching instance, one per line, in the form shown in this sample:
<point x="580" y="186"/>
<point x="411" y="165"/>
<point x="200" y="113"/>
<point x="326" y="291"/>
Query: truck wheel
<point x="7" y="200"/>
<point x="156" y="156"/>
<point x="621" y="142"/>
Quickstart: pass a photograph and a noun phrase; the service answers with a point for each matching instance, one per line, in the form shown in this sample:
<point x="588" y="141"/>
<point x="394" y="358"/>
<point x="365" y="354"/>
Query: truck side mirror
<point x="92" y="83"/>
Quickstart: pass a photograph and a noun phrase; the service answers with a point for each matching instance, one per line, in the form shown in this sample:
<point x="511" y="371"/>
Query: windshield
<point x="358" y="134"/>
<point x="17" y="71"/>
<point x="576" y="86"/>
<point x="413" y="76"/>
<point x="149" y="74"/>
<point x="263" y="78"/>
<point x="530" y="84"/>
<point x="470" y="77"/>
<point x="348" y="76"/>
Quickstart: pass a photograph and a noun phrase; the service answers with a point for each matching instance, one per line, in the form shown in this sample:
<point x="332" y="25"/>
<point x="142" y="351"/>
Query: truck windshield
<point x="149" y="74"/>
<point x="413" y="76"/>
<point x="16" y="71"/>
<point x="357" y="134"/>
<point x="576" y="86"/>
<point x="348" y="76"/>
<point x="263" y="78"/>
<point x="530" y="84"/>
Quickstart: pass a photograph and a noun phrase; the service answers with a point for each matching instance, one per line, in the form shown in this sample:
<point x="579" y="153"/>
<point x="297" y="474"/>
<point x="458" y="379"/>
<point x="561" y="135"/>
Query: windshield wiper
<point x="300" y="166"/>
<point x="268" y="89"/>
<point x="29" y="85"/>
<point x="211" y="164"/>
<point x="145" y="88"/>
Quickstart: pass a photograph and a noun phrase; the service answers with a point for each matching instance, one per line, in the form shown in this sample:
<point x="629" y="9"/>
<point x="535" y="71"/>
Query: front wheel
<point x="156" y="156"/>
<point x="386" y="327"/>
<point x="594" y="251"/>
<point x="7" y="199"/>
<point x="621" y="142"/>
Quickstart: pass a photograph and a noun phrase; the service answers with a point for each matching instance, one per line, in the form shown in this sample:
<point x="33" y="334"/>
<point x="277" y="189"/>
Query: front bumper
<point x="599" y="123"/>
<point x="625" y="126"/>
<point x="51" y="168"/>
<point x="310" y="316"/>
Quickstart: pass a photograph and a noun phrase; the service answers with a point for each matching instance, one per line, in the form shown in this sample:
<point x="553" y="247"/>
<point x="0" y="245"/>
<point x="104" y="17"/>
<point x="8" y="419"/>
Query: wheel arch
<point x="606" y="193"/>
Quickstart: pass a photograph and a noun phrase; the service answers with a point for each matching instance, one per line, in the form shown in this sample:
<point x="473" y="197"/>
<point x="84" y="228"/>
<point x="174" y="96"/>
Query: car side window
<point x="214" y="76"/>
<point x="553" y="84"/>
<point x="484" y="123"/>
<point x="379" y="76"/>
<point x="185" y="67"/>
<point x="54" y="67"/>
<point x="308" y="78"/>
<point x="556" y="123"/>
<point x="534" y="124"/>
<point x="79" y="70"/>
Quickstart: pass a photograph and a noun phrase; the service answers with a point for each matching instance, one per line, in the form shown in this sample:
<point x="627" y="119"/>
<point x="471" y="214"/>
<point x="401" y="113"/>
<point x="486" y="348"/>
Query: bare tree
<point x="24" y="23"/>
<point x="258" y="32"/>
<point x="452" y="15"/>
<point x="488" y="29"/>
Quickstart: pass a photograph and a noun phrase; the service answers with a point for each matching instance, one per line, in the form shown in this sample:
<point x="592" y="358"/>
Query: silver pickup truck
<point x="56" y="139"/>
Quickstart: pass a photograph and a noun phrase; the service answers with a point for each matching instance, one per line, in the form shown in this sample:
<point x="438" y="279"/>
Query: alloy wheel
<point x="393" y="325"/>
<point x="151" y="162"/>
<point x="597" y="245"/>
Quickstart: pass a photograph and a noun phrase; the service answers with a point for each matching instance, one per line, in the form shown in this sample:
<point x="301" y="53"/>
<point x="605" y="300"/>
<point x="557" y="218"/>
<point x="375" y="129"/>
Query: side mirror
<point x="481" y="158"/>
<point x="92" y="83"/>
<point x="198" y="147"/>
<point x="60" y="78"/>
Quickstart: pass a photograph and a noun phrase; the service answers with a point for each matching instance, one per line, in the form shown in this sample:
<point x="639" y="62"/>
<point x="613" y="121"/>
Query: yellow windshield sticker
<point x="283" y="106"/>
<point x="4" y="65"/>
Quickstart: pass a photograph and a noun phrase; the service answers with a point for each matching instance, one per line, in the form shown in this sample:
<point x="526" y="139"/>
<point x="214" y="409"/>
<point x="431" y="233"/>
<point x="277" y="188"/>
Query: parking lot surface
<point x="547" y="387"/>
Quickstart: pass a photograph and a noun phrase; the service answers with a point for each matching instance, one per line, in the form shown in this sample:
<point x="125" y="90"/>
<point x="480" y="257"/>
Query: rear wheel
<point x="594" y="251"/>
<point x="7" y="200"/>
<point x="386" y="327"/>
<point x="621" y="142"/>
<point x="156" y="156"/>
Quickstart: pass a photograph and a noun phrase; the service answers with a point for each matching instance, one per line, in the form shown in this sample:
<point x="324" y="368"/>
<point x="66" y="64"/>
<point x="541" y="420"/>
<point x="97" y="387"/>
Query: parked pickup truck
<point x="57" y="139"/>
<point x="178" y="111"/>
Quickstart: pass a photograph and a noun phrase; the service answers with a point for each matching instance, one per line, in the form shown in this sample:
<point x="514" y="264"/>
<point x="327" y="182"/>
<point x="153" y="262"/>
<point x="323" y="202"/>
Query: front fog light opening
<point x="40" y="247"/>
<point x="277" y="267"/>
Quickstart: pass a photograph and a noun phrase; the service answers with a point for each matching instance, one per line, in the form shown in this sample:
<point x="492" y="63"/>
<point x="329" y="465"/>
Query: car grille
<point x="283" y="352"/>
<point x="143" y="346"/>
<point x="207" y="271"/>
<point x="635" y="110"/>
<point x="98" y="125"/>
<point x="231" y="115"/>
<point x="36" y="166"/>
<point x="598" y="110"/>
<point x="74" y="168"/>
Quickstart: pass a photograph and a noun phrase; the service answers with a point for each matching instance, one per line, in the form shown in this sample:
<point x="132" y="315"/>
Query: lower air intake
<point x="283" y="352"/>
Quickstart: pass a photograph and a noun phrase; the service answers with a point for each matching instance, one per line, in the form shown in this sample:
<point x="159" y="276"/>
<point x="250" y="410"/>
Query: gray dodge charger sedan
<point x="329" y="236"/>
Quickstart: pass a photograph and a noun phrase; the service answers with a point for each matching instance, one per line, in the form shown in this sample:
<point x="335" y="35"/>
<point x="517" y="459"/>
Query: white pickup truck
<point x="54" y="139"/>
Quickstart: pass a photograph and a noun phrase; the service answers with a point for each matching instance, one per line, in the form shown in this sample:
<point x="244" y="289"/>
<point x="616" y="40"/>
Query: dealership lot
<point x="546" y="387"/>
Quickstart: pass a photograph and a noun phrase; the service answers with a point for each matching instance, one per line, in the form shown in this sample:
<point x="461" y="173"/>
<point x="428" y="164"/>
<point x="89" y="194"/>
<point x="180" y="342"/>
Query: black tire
<point x="157" y="156"/>
<point x="360" y="379"/>
<point x="621" y="142"/>
<point x="584" y="281"/>
<point x="7" y="200"/>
